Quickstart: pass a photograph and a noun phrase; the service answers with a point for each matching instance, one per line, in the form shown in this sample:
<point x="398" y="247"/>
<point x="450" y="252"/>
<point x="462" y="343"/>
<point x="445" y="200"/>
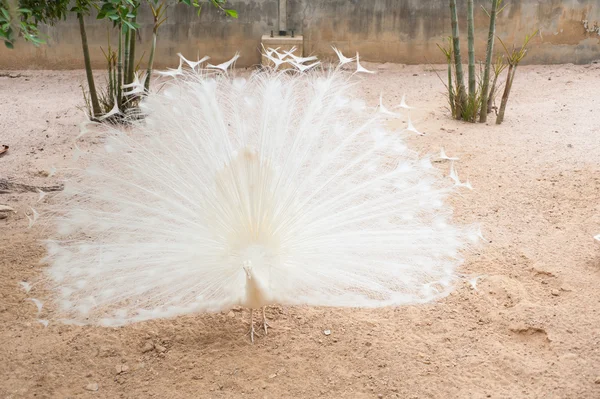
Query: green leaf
<point x="131" y="25"/>
<point x="231" y="13"/>
<point x="9" y="45"/>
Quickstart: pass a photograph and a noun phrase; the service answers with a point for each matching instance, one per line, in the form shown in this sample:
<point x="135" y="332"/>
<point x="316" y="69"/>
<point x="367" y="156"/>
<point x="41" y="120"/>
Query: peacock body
<point x="274" y="188"/>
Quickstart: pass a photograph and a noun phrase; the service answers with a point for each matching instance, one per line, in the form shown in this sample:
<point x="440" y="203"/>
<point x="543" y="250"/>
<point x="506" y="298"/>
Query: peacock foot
<point x="265" y="324"/>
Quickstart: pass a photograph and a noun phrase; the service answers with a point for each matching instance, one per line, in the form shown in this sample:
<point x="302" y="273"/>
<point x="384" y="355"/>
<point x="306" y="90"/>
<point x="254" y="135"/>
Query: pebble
<point x="121" y="368"/>
<point x="555" y="292"/>
<point x="597" y="381"/>
<point x="327" y="332"/>
<point x="92" y="387"/>
<point x="231" y="314"/>
<point x="160" y="348"/>
<point x="147" y="347"/>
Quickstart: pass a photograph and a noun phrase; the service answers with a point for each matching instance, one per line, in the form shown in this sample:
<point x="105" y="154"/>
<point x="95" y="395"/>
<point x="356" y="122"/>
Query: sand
<point x="528" y="328"/>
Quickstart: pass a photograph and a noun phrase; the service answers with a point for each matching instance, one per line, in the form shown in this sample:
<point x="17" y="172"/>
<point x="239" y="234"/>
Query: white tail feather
<point x="277" y="188"/>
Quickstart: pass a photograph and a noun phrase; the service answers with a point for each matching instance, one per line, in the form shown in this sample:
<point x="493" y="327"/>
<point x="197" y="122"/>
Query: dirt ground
<point x="529" y="328"/>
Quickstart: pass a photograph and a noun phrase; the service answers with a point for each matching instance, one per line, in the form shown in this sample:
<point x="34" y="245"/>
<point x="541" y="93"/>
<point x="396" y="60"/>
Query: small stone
<point x="327" y="332"/>
<point x="231" y="314"/>
<point x="92" y="387"/>
<point x="121" y="368"/>
<point x="147" y="347"/>
<point x="160" y="348"/>
<point x="272" y="376"/>
<point x="597" y="380"/>
<point x="555" y="292"/>
<point x="380" y="396"/>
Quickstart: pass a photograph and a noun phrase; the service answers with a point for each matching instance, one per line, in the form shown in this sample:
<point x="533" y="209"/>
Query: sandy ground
<point x="529" y="329"/>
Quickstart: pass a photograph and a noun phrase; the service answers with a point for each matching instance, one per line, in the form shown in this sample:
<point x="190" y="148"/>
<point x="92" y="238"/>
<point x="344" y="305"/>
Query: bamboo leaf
<point x="231" y="13"/>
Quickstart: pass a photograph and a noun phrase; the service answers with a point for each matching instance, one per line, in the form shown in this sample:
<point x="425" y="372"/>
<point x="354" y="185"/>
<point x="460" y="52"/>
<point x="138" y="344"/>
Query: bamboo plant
<point x="486" y="94"/>
<point x="460" y="81"/>
<point x="471" y="43"/>
<point x="122" y="64"/>
<point x="477" y="102"/>
<point x="513" y="58"/>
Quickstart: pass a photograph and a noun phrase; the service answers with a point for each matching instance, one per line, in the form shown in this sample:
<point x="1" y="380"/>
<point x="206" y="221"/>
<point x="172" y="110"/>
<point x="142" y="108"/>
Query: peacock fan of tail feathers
<point x="280" y="187"/>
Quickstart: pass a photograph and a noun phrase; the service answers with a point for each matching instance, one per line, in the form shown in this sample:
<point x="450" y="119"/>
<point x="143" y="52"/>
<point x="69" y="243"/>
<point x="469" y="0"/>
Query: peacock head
<point x="248" y="269"/>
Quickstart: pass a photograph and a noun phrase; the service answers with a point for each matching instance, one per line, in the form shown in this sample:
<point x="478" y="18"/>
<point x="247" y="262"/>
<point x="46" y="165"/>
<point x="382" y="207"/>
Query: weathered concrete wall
<point x="408" y="31"/>
<point x="403" y="31"/>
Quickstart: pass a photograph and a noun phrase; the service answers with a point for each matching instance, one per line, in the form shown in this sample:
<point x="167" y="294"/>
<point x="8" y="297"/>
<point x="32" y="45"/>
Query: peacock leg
<point x="265" y="324"/>
<point x="251" y="332"/>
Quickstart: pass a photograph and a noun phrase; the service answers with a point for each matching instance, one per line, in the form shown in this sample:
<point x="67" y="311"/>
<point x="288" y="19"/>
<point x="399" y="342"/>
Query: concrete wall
<point x="402" y="31"/>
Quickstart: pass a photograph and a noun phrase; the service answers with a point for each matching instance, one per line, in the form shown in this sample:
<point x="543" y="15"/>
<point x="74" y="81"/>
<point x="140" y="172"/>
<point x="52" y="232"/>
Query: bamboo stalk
<point x="120" y="66"/>
<point x="485" y="100"/>
<point x="460" y="80"/>
<point x="126" y="55"/>
<point x="498" y="68"/>
<point x="88" y="68"/>
<point x="471" y="46"/>
<point x="150" y="60"/>
<point x="509" y="81"/>
<point x="131" y="62"/>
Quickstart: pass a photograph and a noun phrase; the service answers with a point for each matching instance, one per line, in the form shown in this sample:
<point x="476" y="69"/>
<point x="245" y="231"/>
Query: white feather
<point x="342" y="58"/>
<point x="277" y="189"/>
<point x="26" y="286"/>
<point x="384" y="110"/>
<point x="360" y="68"/>
<point x="137" y="86"/>
<point x="403" y="103"/>
<point x="42" y="195"/>
<point x="456" y="179"/>
<point x="302" y="60"/>
<point x="170" y="72"/>
<point x="33" y="218"/>
<point x="38" y="304"/>
<point x="285" y="54"/>
<point x="114" y="111"/>
<point x="275" y="60"/>
<point x="473" y="282"/>
<point x="225" y="65"/>
<point x="193" y="64"/>
<point x="446" y="157"/>
<point x="412" y="128"/>
<point x="302" y="67"/>
<point x="269" y="50"/>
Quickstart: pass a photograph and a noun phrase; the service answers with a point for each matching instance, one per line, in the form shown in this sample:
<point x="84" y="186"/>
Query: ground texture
<point x="528" y="328"/>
